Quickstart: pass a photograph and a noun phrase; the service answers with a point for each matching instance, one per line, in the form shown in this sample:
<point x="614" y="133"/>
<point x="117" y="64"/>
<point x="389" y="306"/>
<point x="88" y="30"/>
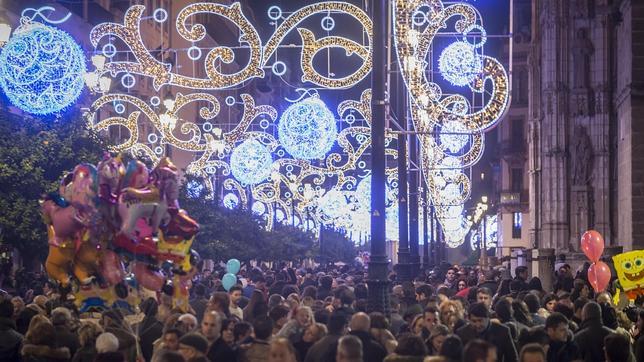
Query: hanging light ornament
<point x="251" y="162"/>
<point x="453" y="136"/>
<point x="231" y="201"/>
<point x="459" y="63"/>
<point x="307" y="129"/>
<point x="41" y="68"/>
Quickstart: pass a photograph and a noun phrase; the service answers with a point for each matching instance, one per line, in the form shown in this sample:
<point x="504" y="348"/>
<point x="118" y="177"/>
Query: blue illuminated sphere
<point x="231" y="201"/>
<point x="363" y="193"/>
<point x="251" y="162"/>
<point x="41" y="69"/>
<point x="307" y="129"/>
<point x="459" y="63"/>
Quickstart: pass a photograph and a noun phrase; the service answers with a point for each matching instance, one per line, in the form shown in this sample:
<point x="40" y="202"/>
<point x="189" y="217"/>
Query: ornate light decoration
<point x="231" y="201"/>
<point x="307" y="129"/>
<point x="458" y="126"/>
<point x="41" y="68"/>
<point x="459" y="64"/>
<point x="491" y="233"/>
<point x="250" y="162"/>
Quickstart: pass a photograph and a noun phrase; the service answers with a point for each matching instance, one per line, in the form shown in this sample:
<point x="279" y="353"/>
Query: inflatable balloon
<point x="106" y="214"/>
<point x="592" y="244"/>
<point x="599" y="276"/>
<point x="112" y="268"/>
<point x="147" y="277"/>
<point x="228" y="281"/>
<point x="233" y="266"/>
<point x="630" y="272"/>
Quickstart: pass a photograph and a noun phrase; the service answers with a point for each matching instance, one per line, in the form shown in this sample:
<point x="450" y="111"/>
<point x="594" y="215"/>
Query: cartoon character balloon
<point x="630" y="272"/>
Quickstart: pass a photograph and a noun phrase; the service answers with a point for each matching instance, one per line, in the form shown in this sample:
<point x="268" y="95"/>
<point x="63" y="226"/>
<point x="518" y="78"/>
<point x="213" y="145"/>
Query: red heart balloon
<point x="599" y="276"/>
<point x="592" y="244"/>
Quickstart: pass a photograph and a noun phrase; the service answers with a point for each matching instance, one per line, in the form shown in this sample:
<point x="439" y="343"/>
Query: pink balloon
<point x="147" y="277"/>
<point x="112" y="268"/>
<point x="599" y="276"/>
<point x="592" y="244"/>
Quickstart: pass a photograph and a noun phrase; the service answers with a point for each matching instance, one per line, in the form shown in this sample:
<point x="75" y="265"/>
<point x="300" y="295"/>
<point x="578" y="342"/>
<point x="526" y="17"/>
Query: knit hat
<point x="195" y="341"/>
<point x="107" y="342"/>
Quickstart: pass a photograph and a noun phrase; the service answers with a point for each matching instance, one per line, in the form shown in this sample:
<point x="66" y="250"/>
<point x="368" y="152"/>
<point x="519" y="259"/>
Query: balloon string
<point x="33" y="13"/>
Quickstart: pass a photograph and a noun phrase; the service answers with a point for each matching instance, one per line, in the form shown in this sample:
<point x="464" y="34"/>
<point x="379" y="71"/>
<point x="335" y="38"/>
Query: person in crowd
<point x="521" y="275"/>
<point x="87" y="335"/>
<point x="227" y="332"/>
<point x="505" y="314"/>
<point x="113" y="322"/>
<point x="617" y="347"/>
<point x="430" y="319"/>
<point x="281" y="350"/>
<point x="294" y="329"/>
<point x="259" y="348"/>
<point x="581" y="289"/>
<point x="484" y="295"/>
<point x="235" y="295"/>
<point x="313" y="333"/>
<point x="199" y="302"/>
<point x="220" y="303"/>
<point x="531" y="300"/>
<point x="639" y="340"/>
<point x="61" y="318"/>
<point x="536" y="335"/>
<point x="40" y="343"/>
<point x="279" y="314"/>
<point x="256" y="307"/>
<point x="480" y="327"/>
<point x="522" y="313"/>
<point x="451" y="315"/>
<point x="532" y="352"/>
<point x="561" y="347"/>
<point x="10" y="339"/>
<point x="167" y="356"/>
<point x="349" y="350"/>
<point x="188" y="322"/>
<point x="150" y="329"/>
<point x="450" y="278"/>
<point x="591" y="334"/>
<point x="372" y="350"/>
<point x="324" y="350"/>
<point x="549" y="302"/>
<point x="438" y="334"/>
<point x="478" y="350"/>
<point x="380" y="331"/>
<point x="170" y="339"/>
<point x="423" y="293"/>
<point x="193" y="347"/>
<point x="242" y="333"/>
<point x="410" y="348"/>
<point x="211" y="330"/>
<point x="452" y="349"/>
<point x="417" y="324"/>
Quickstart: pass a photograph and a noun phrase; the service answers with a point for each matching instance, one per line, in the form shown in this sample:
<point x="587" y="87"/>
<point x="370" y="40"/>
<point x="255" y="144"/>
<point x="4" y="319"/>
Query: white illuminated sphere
<point x="251" y="162"/>
<point x="333" y="204"/>
<point x="307" y="129"/>
<point x="452" y="136"/>
<point x="258" y="208"/>
<point x="41" y="69"/>
<point x="231" y="201"/>
<point x="459" y="63"/>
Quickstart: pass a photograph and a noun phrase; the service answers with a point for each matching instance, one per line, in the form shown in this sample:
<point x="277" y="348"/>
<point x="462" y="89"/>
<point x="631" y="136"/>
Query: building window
<point x="516" y="130"/>
<point x="516" y="225"/>
<point x="516" y="179"/>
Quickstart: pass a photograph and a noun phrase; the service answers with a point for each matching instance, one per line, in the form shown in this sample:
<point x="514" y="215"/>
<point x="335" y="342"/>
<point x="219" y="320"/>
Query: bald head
<point x="360" y="322"/>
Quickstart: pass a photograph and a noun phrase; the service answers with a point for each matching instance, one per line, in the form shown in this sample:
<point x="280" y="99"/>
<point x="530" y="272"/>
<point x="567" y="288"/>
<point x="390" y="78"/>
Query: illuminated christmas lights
<point x="250" y="162"/>
<point x="307" y="129"/>
<point x="41" y="68"/>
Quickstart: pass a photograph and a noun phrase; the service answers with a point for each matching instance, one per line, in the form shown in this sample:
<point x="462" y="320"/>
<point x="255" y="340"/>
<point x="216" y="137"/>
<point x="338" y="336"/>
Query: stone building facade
<point x="585" y="124"/>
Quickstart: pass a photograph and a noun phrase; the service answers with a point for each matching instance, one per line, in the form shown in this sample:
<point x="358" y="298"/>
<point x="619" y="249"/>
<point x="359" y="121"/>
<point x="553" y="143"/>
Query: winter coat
<point x="496" y="334"/>
<point x="590" y="339"/>
<point x="400" y="358"/>
<point x="323" y="350"/>
<point x="10" y="341"/>
<point x="42" y="353"/>
<point x="371" y="349"/>
<point x="127" y="343"/>
<point x="85" y="354"/>
<point x="563" y="351"/>
<point x="65" y="338"/>
<point x="258" y="351"/>
<point x="149" y="330"/>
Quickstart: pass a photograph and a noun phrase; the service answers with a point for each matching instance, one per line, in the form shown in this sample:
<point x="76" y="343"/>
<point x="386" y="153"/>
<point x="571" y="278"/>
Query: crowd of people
<point x="321" y="314"/>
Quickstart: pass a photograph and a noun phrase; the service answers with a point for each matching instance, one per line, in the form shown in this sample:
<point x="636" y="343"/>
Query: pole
<point x="425" y="231"/>
<point x="413" y="208"/>
<point x="403" y="270"/>
<point x="378" y="264"/>
<point x="484" y="249"/>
